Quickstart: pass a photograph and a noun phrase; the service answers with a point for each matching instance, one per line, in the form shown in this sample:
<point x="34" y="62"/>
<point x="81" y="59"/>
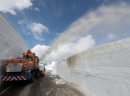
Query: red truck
<point x="25" y="68"/>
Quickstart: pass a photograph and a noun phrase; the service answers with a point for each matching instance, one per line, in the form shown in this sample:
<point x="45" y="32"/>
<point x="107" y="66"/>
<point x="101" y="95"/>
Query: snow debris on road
<point x="53" y="67"/>
<point x="66" y="92"/>
<point x="59" y="81"/>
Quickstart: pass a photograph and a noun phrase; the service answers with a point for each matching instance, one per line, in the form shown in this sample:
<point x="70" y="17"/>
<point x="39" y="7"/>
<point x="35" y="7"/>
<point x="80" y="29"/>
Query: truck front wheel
<point x="37" y="74"/>
<point x="32" y="78"/>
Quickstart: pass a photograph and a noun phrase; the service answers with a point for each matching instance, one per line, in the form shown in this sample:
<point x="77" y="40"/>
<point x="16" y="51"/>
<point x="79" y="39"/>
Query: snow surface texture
<point x="41" y="67"/>
<point x="99" y="71"/>
<point x="59" y="81"/>
<point x="11" y="44"/>
<point x="53" y="68"/>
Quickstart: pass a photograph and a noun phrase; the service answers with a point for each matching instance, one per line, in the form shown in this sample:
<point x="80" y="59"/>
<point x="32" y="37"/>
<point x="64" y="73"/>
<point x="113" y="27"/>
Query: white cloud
<point x="39" y="49"/>
<point x="12" y="5"/>
<point x="21" y="21"/>
<point x="38" y="37"/>
<point x="28" y="33"/>
<point x="36" y="9"/>
<point x="37" y="30"/>
<point x="111" y="36"/>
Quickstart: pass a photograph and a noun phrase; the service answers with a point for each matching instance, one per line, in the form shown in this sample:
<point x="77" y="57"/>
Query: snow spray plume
<point x="50" y="49"/>
<point x="99" y="22"/>
<point x="63" y="38"/>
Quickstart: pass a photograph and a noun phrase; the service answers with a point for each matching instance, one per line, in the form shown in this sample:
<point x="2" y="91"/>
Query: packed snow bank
<point x="99" y="71"/>
<point x="11" y="44"/>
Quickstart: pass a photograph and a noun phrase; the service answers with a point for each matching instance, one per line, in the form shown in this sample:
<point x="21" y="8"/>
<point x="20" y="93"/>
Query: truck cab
<point x="25" y="68"/>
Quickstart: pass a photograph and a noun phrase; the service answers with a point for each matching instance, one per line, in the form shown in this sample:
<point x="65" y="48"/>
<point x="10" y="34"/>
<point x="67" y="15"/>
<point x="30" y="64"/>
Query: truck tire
<point x="43" y="74"/>
<point x="32" y="78"/>
<point x="37" y="74"/>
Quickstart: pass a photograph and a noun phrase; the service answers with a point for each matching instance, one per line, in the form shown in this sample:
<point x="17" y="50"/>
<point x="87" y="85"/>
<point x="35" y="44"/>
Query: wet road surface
<point x="44" y="86"/>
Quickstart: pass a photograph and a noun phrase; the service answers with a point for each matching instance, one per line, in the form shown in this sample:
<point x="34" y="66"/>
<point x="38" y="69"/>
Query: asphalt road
<point x="44" y="86"/>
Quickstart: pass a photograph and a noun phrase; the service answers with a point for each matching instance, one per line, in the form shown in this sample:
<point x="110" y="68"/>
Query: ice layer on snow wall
<point x="99" y="71"/>
<point x="11" y="44"/>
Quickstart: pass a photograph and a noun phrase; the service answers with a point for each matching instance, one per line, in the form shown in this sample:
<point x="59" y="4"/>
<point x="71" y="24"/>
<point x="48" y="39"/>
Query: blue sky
<point x="56" y="15"/>
<point x="68" y="23"/>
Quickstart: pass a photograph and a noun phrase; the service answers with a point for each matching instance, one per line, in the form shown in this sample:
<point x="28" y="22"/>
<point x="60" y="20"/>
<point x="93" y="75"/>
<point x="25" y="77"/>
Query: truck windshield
<point x="30" y="58"/>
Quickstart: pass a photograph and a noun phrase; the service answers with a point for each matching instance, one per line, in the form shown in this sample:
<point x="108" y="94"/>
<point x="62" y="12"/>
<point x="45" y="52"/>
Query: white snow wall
<point x="11" y="44"/>
<point x="99" y="71"/>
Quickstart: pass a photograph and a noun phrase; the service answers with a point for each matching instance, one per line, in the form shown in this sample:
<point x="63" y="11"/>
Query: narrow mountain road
<point x="44" y="86"/>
